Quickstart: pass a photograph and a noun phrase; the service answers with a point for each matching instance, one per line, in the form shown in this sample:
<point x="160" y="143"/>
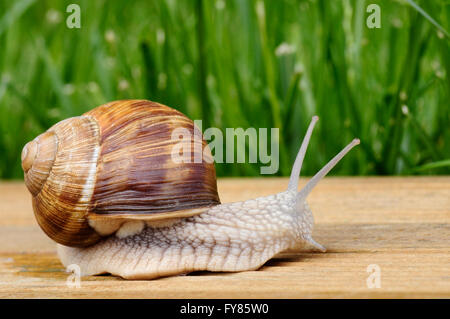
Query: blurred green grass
<point x="240" y="64"/>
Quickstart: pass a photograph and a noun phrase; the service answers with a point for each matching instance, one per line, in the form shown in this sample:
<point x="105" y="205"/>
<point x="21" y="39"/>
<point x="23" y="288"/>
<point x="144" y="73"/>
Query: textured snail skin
<point x="228" y="237"/>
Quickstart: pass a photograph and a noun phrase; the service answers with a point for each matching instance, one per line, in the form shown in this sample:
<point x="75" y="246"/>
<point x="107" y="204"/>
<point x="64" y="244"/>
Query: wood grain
<point x="400" y="224"/>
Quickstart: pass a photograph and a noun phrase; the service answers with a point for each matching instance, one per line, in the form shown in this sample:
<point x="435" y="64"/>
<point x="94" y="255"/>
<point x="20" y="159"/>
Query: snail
<point x="105" y="188"/>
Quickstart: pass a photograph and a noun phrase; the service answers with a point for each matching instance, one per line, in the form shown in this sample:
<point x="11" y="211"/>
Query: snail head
<point x="302" y="207"/>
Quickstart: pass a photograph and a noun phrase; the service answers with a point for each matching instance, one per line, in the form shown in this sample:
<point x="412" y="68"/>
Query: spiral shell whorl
<point x="28" y="155"/>
<point x="63" y="202"/>
<point x="38" y="157"/>
<point x="136" y="173"/>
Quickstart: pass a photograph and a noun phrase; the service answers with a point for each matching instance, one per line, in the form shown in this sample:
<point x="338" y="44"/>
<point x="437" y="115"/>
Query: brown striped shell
<point x="114" y="163"/>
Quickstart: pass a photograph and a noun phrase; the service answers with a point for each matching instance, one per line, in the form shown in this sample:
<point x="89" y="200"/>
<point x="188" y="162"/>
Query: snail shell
<point x="89" y="174"/>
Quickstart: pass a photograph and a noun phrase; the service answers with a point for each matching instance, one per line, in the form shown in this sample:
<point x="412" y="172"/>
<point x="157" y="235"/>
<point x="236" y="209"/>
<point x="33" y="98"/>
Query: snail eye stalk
<point x="324" y="171"/>
<point x="296" y="168"/>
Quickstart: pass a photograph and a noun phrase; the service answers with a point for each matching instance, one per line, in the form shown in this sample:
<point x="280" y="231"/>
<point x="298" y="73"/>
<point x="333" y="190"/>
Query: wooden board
<point x="401" y="225"/>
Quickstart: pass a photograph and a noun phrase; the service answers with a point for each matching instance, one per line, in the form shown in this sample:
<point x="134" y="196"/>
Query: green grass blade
<point x="428" y="17"/>
<point x="433" y="165"/>
<point x="14" y="13"/>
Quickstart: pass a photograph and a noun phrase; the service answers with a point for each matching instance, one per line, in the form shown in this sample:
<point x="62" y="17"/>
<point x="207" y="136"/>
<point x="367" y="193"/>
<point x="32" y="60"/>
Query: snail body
<point x="115" y="202"/>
